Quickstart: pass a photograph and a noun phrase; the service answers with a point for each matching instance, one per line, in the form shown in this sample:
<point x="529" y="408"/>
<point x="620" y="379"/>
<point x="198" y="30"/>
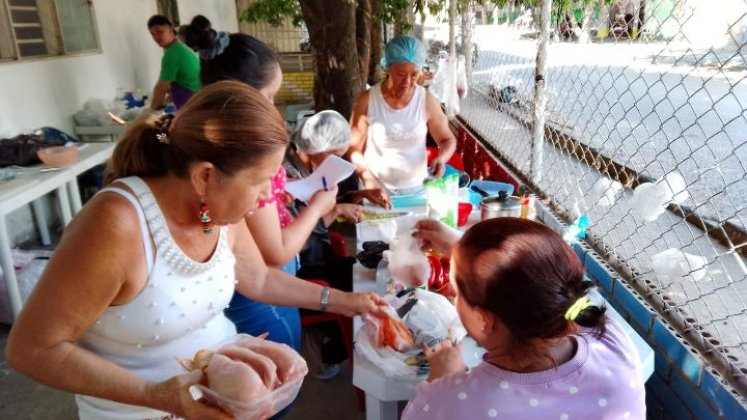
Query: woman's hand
<point x="324" y="201"/>
<point x="174" y="393"/>
<point x="351" y="304"/>
<point x="351" y="212"/>
<point x="438" y="167"/>
<point x="436" y="235"/>
<point x="444" y="358"/>
<point x="383" y="200"/>
<point x="377" y="196"/>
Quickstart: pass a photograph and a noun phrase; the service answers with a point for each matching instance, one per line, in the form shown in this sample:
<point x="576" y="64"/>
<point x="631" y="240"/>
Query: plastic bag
<point x="674" y="264"/>
<point x="256" y="405"/>
<point x="450" y="97"/>
<point x="408" y="265"/>
<point x="95" y="112"/>
<point x="462" y="87"/>
<point x="438" y="84"/>
<point x="433" y="304"/>
<point x="409" y="365"/>
<point x="389" y="331"/>
<point x="650" y="201"/>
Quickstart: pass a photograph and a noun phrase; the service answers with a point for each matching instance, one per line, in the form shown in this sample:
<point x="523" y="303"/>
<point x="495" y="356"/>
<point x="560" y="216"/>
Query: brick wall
<point x="682" y="386"/>
<point x="297" y="88"/>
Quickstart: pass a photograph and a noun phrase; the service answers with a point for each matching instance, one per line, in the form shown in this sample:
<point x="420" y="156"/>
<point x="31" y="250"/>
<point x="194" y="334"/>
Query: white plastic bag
<point x="438" y="85"/>
<point x="674" y="264"/>
<point x="650" y="201"/>
<point x="450" y="97"/>
<point x="407" y="263"/>
<point x="462" y="87"/>
<point x="393" y="363"/>
<point x="95" y="112"/>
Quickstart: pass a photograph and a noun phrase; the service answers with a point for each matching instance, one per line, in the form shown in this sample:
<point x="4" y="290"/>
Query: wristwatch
<point x="324" y="299"/>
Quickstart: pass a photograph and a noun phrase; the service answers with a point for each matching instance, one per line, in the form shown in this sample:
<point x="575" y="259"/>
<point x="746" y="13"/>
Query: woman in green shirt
<point x="180" y="67"/>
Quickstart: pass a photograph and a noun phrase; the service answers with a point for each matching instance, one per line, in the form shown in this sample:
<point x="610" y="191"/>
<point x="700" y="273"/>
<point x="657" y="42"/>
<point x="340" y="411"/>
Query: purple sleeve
<point x="419" y="407"/>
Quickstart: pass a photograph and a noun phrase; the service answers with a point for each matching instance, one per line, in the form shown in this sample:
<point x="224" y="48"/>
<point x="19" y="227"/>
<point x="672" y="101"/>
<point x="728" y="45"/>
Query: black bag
<point x="21" y="149"/>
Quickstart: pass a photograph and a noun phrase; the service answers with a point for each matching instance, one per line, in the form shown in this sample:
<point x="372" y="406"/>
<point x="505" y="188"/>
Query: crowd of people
<point x="195" y="239"/>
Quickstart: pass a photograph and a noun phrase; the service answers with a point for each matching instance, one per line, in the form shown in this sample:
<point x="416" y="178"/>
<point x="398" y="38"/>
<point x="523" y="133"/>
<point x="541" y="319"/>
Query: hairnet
<point x="404" y="49"/>
<point x="324" y="131"/>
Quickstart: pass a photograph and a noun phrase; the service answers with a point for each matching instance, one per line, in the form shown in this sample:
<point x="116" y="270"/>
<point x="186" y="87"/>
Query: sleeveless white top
<point x="395" y="146"/>
<point x="179" y="311"/>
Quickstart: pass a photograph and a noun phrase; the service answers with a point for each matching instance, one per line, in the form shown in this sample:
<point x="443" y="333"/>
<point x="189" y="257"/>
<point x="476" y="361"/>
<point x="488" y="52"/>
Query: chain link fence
<point x="646" y="134"/>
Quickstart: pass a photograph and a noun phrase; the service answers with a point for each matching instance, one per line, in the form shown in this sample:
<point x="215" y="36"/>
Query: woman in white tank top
<point x="390" y="123"/>
<point x="143" y="273"/>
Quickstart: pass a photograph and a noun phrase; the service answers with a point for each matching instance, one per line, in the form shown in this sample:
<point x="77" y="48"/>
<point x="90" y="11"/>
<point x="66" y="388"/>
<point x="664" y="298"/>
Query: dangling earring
<point x="205" y="220"/>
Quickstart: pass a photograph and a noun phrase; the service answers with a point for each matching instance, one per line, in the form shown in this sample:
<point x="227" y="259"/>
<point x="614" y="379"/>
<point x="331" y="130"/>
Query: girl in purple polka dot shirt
<point x="551" y="354"/>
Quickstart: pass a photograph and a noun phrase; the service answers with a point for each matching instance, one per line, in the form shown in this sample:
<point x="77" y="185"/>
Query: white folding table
<point x="28" y="187"/>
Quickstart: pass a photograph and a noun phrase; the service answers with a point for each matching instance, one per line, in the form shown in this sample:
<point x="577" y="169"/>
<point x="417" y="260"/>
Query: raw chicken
<point x="288" y="362"/>
<point x="263" y="365"/>
<point x="234" y="380"/>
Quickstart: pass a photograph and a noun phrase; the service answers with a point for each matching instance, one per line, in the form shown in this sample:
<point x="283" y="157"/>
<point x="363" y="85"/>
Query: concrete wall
<point x="48" y="91"/>
<point x="222" y="13"/>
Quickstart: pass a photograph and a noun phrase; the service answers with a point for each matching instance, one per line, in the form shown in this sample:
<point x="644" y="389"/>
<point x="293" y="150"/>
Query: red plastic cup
<point x="463" y="213"/>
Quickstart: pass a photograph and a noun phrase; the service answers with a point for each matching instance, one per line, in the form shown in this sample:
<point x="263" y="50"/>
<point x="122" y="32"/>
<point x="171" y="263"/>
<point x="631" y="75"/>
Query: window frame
<point x="49" y="22"/>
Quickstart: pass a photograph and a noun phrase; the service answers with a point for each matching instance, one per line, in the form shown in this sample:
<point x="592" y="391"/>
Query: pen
<point x="324" y="183"/>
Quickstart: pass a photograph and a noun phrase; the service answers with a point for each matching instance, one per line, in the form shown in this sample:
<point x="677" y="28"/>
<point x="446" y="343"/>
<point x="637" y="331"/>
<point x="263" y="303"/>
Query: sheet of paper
<point x="333" y="169"/>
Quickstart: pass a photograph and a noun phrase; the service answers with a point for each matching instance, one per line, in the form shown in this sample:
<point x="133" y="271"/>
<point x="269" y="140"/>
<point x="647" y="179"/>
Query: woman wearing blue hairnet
<point x="390" y="123"/>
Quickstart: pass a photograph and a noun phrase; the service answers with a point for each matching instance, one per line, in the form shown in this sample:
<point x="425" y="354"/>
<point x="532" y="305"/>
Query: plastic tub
<point x="403" y="201"/>
<point x="263" y="407"/>
<point x="58" y="155"/>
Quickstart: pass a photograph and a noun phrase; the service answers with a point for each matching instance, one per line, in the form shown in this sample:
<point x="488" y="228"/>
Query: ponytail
<point x="138" y="151"/>
<point x="229" y="124"/>
<point x="593" y="316"/>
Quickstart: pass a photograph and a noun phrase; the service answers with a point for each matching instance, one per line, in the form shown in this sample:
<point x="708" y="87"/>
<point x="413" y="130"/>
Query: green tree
<point x="346" y="37"/>
<point x="344" y="45"/>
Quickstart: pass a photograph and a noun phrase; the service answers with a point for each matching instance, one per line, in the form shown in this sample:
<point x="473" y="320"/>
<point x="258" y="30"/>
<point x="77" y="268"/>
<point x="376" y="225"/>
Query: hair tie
<point x="164" y="126"/>
<point x="578" y="306"/>
<point x="220" y="42"/>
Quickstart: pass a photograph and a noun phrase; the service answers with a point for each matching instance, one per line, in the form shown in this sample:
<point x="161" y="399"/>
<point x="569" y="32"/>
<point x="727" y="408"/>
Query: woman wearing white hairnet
<point x="390" y="123"/>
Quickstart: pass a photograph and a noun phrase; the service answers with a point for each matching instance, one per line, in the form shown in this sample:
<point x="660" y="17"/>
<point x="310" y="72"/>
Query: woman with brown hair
<point x="551" y="352"/>
<point x="143" y="273"/>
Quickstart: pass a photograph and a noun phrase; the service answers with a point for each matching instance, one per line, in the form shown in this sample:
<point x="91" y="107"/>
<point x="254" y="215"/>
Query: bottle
<point x="383" y="279"/>
<point x="524" y="207"/>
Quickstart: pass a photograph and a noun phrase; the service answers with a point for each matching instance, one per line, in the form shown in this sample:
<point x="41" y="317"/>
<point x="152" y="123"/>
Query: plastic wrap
<point x="271" y="382"/>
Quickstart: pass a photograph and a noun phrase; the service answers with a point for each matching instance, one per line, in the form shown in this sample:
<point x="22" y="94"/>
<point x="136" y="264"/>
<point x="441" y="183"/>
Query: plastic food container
<point x="58" y="155"/>
<point x="400" y="201"/>
<point x="260" y="408"/>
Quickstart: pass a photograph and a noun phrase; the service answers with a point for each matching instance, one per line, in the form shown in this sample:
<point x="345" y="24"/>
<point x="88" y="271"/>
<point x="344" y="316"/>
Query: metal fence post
<point x="538" y="133"/>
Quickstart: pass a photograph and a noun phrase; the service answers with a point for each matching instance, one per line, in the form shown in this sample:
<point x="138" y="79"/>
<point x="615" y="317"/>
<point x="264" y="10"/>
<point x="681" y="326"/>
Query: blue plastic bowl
<point x="490" y="187"/>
